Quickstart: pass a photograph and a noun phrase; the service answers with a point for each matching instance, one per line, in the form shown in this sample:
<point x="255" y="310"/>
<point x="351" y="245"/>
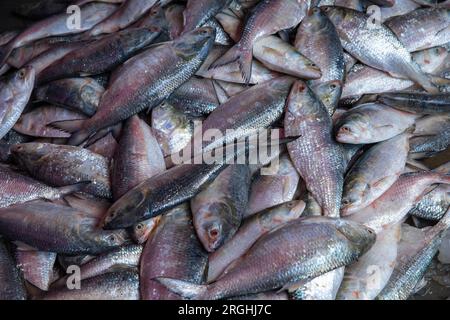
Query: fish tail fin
<point x="183" y="288"/>
<point x="415" y="73"/>
<point x="69" y="126"/>
<point x="443" y="178"/>
<point x="240" y="55"/>
<point x="80" y="136"/>
<point x="77" y="187"/>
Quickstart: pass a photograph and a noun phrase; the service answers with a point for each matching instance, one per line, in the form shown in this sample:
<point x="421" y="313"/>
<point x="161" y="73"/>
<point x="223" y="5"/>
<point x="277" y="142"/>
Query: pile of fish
<point x="93" y="205"/>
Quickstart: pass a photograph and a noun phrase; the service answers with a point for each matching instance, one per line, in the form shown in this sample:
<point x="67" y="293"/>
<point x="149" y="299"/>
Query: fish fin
<point x="69" y="126"/>
<point x="73" y="188"/>
<point x="292" y="286"/>
<point x="416" y="164"/>
<point x="21" y="246"/>
<point x="237" y="54"/>
<point x="5" y="52"/>
<point x="79" y="137"/>
<point x="444" y="178"/>
<point x="414" y="72"/>
<point x="183" y="288"/>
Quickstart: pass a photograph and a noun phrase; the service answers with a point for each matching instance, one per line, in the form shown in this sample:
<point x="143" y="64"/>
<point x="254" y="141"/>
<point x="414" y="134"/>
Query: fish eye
<point x="112" y="238"/>
<point x="316" y="10"/>
<point x="345" y="202"/>
<point x="22" y="74"/>
<point x="139" y="226"/>
<point x="333" y="86"/>
<point x="346" y="129"/>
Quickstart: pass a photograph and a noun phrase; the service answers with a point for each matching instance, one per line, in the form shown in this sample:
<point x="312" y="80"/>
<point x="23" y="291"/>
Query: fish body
<point x="12" y="286"/>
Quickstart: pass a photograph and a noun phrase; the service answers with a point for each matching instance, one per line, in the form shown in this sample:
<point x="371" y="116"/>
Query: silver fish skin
<point x="57" y="25"/>
<point x="393" y="205"/>
<point x="15" y="92"/>
<point x="319" y="41"/>
<point x="351" y="4"/>
<point x="173" y="251"/>
<point x="433" y="205"/>
<point x="250" y="231"/>
<point x="400" y="7"/>
<point x="37" y="267"/>
<point x="323" y="287"/>
<point x="285" y="256"/>
<point x="120" y="285"/>
<point x="198" y="12"/>
<point x="369" y="177"/>
<point x="128" y="13"/>
<point x="170" y="64"/>
<point x="61" y="165"/>
<point x="222" y="37"/>
<point x="268" y="17"/>
<point x="366" y="80"/>
<point x="422" y="28"/>
<point x="54" y="228"/>
<point x="371" y="123"/>
<point x="365" y="278"/>
<point x="409" y="271"/>
<point x="316" y="155"/>
<point x="422" y="147"/>
<point x="377" y="46"/>
<point x="329" y="93"/>
<point x="137" y="159"/>
<point x="219" y="209"/>
<point x="12" y="285"/>
<point x="417" y="102"/>
<point x="16" y="188"/>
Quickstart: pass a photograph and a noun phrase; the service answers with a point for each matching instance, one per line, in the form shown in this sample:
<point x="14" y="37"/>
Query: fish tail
<point x="443" y="178"/>
<point x="69" y="126"/>
<point x="77" y="187"/>
<point x="415" y="73"/>
<point x="240" y="55"/>
<point x="183" y="288"/>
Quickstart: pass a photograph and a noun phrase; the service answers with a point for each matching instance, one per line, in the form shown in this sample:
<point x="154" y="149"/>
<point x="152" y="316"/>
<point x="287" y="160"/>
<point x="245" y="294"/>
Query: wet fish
<point x="100" y="56"/>
<point x="198" y="12"/>
<point x="371" y="123"/>
<point x="54" y="228"/>
<point x="137" y="159"/>
<point x="268" y="17"/>
<point x="172" y="251"/>
<point x="399" y="8"/>
<point x="394" y="204"/>
<point x="57" y="25"/>
<point x="150" y="77"/>
<point x="121" y="285"/>
<point x="433" y="205"/>
<point x="410" y="270"/>
<point x="17" y="188"/>
<point x="377" y="47"/>
<point x="316" y="155"/>
<point x="369" y="177"/>
<point x="365" y="278"/>
<point x="420" y="103"/>
<point x="77" y="94"/>
<point x="37" y="267"/>
<point x="15" y="92"/>
<point x="250" y="231"/>
<point x="61" y="165"/>
<point x="219" y="209"/>
<point x="105" y="146"/>
<point x="12" y="286"/>
<point x="329" y="93"/>
<point x="284" y="256"/>
<point x="142" y="231"/>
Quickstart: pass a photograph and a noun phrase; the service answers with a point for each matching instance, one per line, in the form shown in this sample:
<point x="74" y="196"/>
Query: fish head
<point x="353" y="196"/>
<point x="329" y="92"/>
<point x="361" y="237"/>
<point x="340" y="17"/>
<point x="131" y="208"/>
<point x="24" y="78"/>
<point x="212" y="224"/>
<point x="283" y="213"/>
<point x="314" y="21"/>
<point x="195" y="43"/>
<point x="29" y="153"/>
<point x="112" y="239"/>
<point x="300" y="99"/>
<point x="353" y="128"/>
<point x="142" y="230"/>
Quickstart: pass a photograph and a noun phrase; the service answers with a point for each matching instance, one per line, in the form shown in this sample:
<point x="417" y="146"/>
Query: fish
<point x="371" y="123"/>
<point x="142" y="231"/>
<point x="249" y="232"/>
<point x="419" y="103"/>
<point x="12" y="285"/>
<point x="175" y="19"/>
<point x="100" y="56"/>
<point x="318" y="40"/>
<point x="411" y="268"/>
<point x="37" y="122"/>
<point x="174" y="240"/>
<point x="180" y="60"/>
<point x="377" y="47"/>
<point x="274" y="189"/>
<point x="394" y="204"/>
<point x="365" y="278"/>
<point x="17" y="188"/>
<point x="15" y="92"/>
<point x="76" y="94"/>
<point x="55" y="228"/>
<point x="280" y="56"/>
<point x="199" y="12"/>
<point x="62" y="165"/>
<point x="120" y="285"/>
<point x="428" y="146"/>
<point x="219" y="209"/>
<point x="316" y="155"/>
<point x="329" y="93"/>
<point x="422" y="28"/>
<point x="37" y="267"/>
<point x="268" y="17"/>
<point x="369" y="177"/>
<point x="137" y="159"/>
<point x="399" y="8"/>
<point x="105" y="146"/>
<point x="128" y="13"/>
<point x="433" y="205"/>
<point x="57" y="25"/>
<point x="288" y="251"/>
